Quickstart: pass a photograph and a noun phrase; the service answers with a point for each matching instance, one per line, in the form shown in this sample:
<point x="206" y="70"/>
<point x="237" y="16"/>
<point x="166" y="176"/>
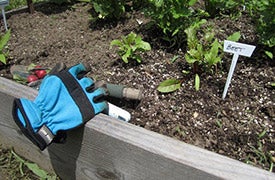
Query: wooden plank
<point x="107" y="148"/>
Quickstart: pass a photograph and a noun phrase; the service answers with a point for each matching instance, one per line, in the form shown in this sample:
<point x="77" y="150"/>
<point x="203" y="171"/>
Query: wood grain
<point x="106" y="148"/>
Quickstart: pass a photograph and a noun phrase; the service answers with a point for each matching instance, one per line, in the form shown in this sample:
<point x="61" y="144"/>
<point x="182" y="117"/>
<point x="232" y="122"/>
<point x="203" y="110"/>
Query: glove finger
<point x="86" y="83"/>
<point x="91" y="88"/>
<point x="99" y="95"/>
<point x="100" y="107"/>
<point x="99" y="91"/>
<point x="57" y="68"/>
<point x="79" y="69"/>
<point x="98" y="99"/>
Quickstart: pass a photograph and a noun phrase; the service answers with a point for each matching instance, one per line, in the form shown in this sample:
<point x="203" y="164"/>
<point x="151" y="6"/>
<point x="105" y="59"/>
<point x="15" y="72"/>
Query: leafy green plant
<point x="172" y="17"/>
<point x="203" y="54"/>
<point x="109" y="9"/>
<point x="3" y="42"/>
<point x="263" y="11"/>
<point x="130" y="47"/>
<point x="199" y="54"/>
<point x="214" y="7"/>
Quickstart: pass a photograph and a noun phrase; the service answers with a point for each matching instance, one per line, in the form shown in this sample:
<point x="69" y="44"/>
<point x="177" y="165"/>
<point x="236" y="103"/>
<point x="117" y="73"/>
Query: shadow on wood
<point x="64" y="156"/>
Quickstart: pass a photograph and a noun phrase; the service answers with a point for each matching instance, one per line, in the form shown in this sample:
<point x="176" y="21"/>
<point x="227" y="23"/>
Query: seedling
<point x="219" y="123"/>
<point x="130" y="47"/>
<point x="178" y="130"/>
<point x="262" y="156"/>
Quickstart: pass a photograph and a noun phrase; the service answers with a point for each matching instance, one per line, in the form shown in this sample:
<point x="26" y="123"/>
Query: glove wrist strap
<point x="42" y="139"/>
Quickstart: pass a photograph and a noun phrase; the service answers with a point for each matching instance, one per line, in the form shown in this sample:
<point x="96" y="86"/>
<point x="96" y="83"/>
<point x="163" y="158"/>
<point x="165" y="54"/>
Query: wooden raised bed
<point x="107" y="148"/>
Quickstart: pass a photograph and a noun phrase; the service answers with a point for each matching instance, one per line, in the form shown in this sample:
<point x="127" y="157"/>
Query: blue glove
<point x="66" y="99"/>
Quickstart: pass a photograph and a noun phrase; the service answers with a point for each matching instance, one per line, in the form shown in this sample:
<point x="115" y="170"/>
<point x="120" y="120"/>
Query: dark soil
<point x="241" y="127"/>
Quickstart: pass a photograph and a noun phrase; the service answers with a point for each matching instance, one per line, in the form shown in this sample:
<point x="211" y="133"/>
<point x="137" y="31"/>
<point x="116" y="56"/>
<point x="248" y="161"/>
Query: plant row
<point x="184" y="23"/>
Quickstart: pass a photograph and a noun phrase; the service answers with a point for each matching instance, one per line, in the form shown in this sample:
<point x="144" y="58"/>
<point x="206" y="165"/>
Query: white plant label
<point x="237" y="49"/>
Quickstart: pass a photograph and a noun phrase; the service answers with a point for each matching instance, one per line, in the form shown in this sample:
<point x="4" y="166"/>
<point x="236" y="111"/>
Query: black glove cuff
<point x="42" y="138"/>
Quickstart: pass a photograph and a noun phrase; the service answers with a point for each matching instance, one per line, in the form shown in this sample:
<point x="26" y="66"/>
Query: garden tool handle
<point x="120" y="91"/>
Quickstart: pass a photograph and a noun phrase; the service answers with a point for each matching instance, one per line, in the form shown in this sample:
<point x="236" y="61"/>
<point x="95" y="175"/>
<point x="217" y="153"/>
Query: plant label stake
<point x="237" y="49"/>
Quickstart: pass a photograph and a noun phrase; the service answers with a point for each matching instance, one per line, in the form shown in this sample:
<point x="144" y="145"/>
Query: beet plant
<point x="204" y="53"/>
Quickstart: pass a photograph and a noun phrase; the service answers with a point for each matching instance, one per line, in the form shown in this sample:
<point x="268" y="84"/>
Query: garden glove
<point x="66" y="99"/>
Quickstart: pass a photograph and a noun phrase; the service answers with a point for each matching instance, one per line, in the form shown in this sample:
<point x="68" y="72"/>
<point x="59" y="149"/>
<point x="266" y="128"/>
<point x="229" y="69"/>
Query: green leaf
<point x="19" y="79"/>
<point x="131" y="38"/>
<point x="262" y="134"/>
<point x="37" y="170"/>
<point x="125" y="57"/>
<point x="18" y="158"/>
<point x="212" y="57"/>
<point x="31" y="66"/>
<point x="4" y="40"/>
<point x="185" y="71"/>
<point x="144" y="46"/>
<point x="195" y="54"/>
<point x="192" y="2"/>
<point x="234" y="37"/>
<point x="189" y="59"/>
<point x="158" y="3"/>
<point x="209" y="36"/>
<point x="197" y="82"/>
<point x="3" y="59"/>
<point x="269" y="54"/>
<point x="116" y="42"/>
<point x="137" y="58"/>
<point x="169" y="85"/>
<point x="174" y="58"/>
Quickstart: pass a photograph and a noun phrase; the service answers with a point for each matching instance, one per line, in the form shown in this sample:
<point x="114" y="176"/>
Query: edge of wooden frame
<point x="106" y="148"/>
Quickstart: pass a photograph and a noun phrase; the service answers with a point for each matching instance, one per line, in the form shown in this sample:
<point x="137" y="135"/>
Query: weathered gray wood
<point x="110" y="149"/>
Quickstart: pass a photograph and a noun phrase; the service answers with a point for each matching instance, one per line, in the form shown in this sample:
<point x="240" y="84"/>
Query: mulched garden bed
<point x="241" y="127"/>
